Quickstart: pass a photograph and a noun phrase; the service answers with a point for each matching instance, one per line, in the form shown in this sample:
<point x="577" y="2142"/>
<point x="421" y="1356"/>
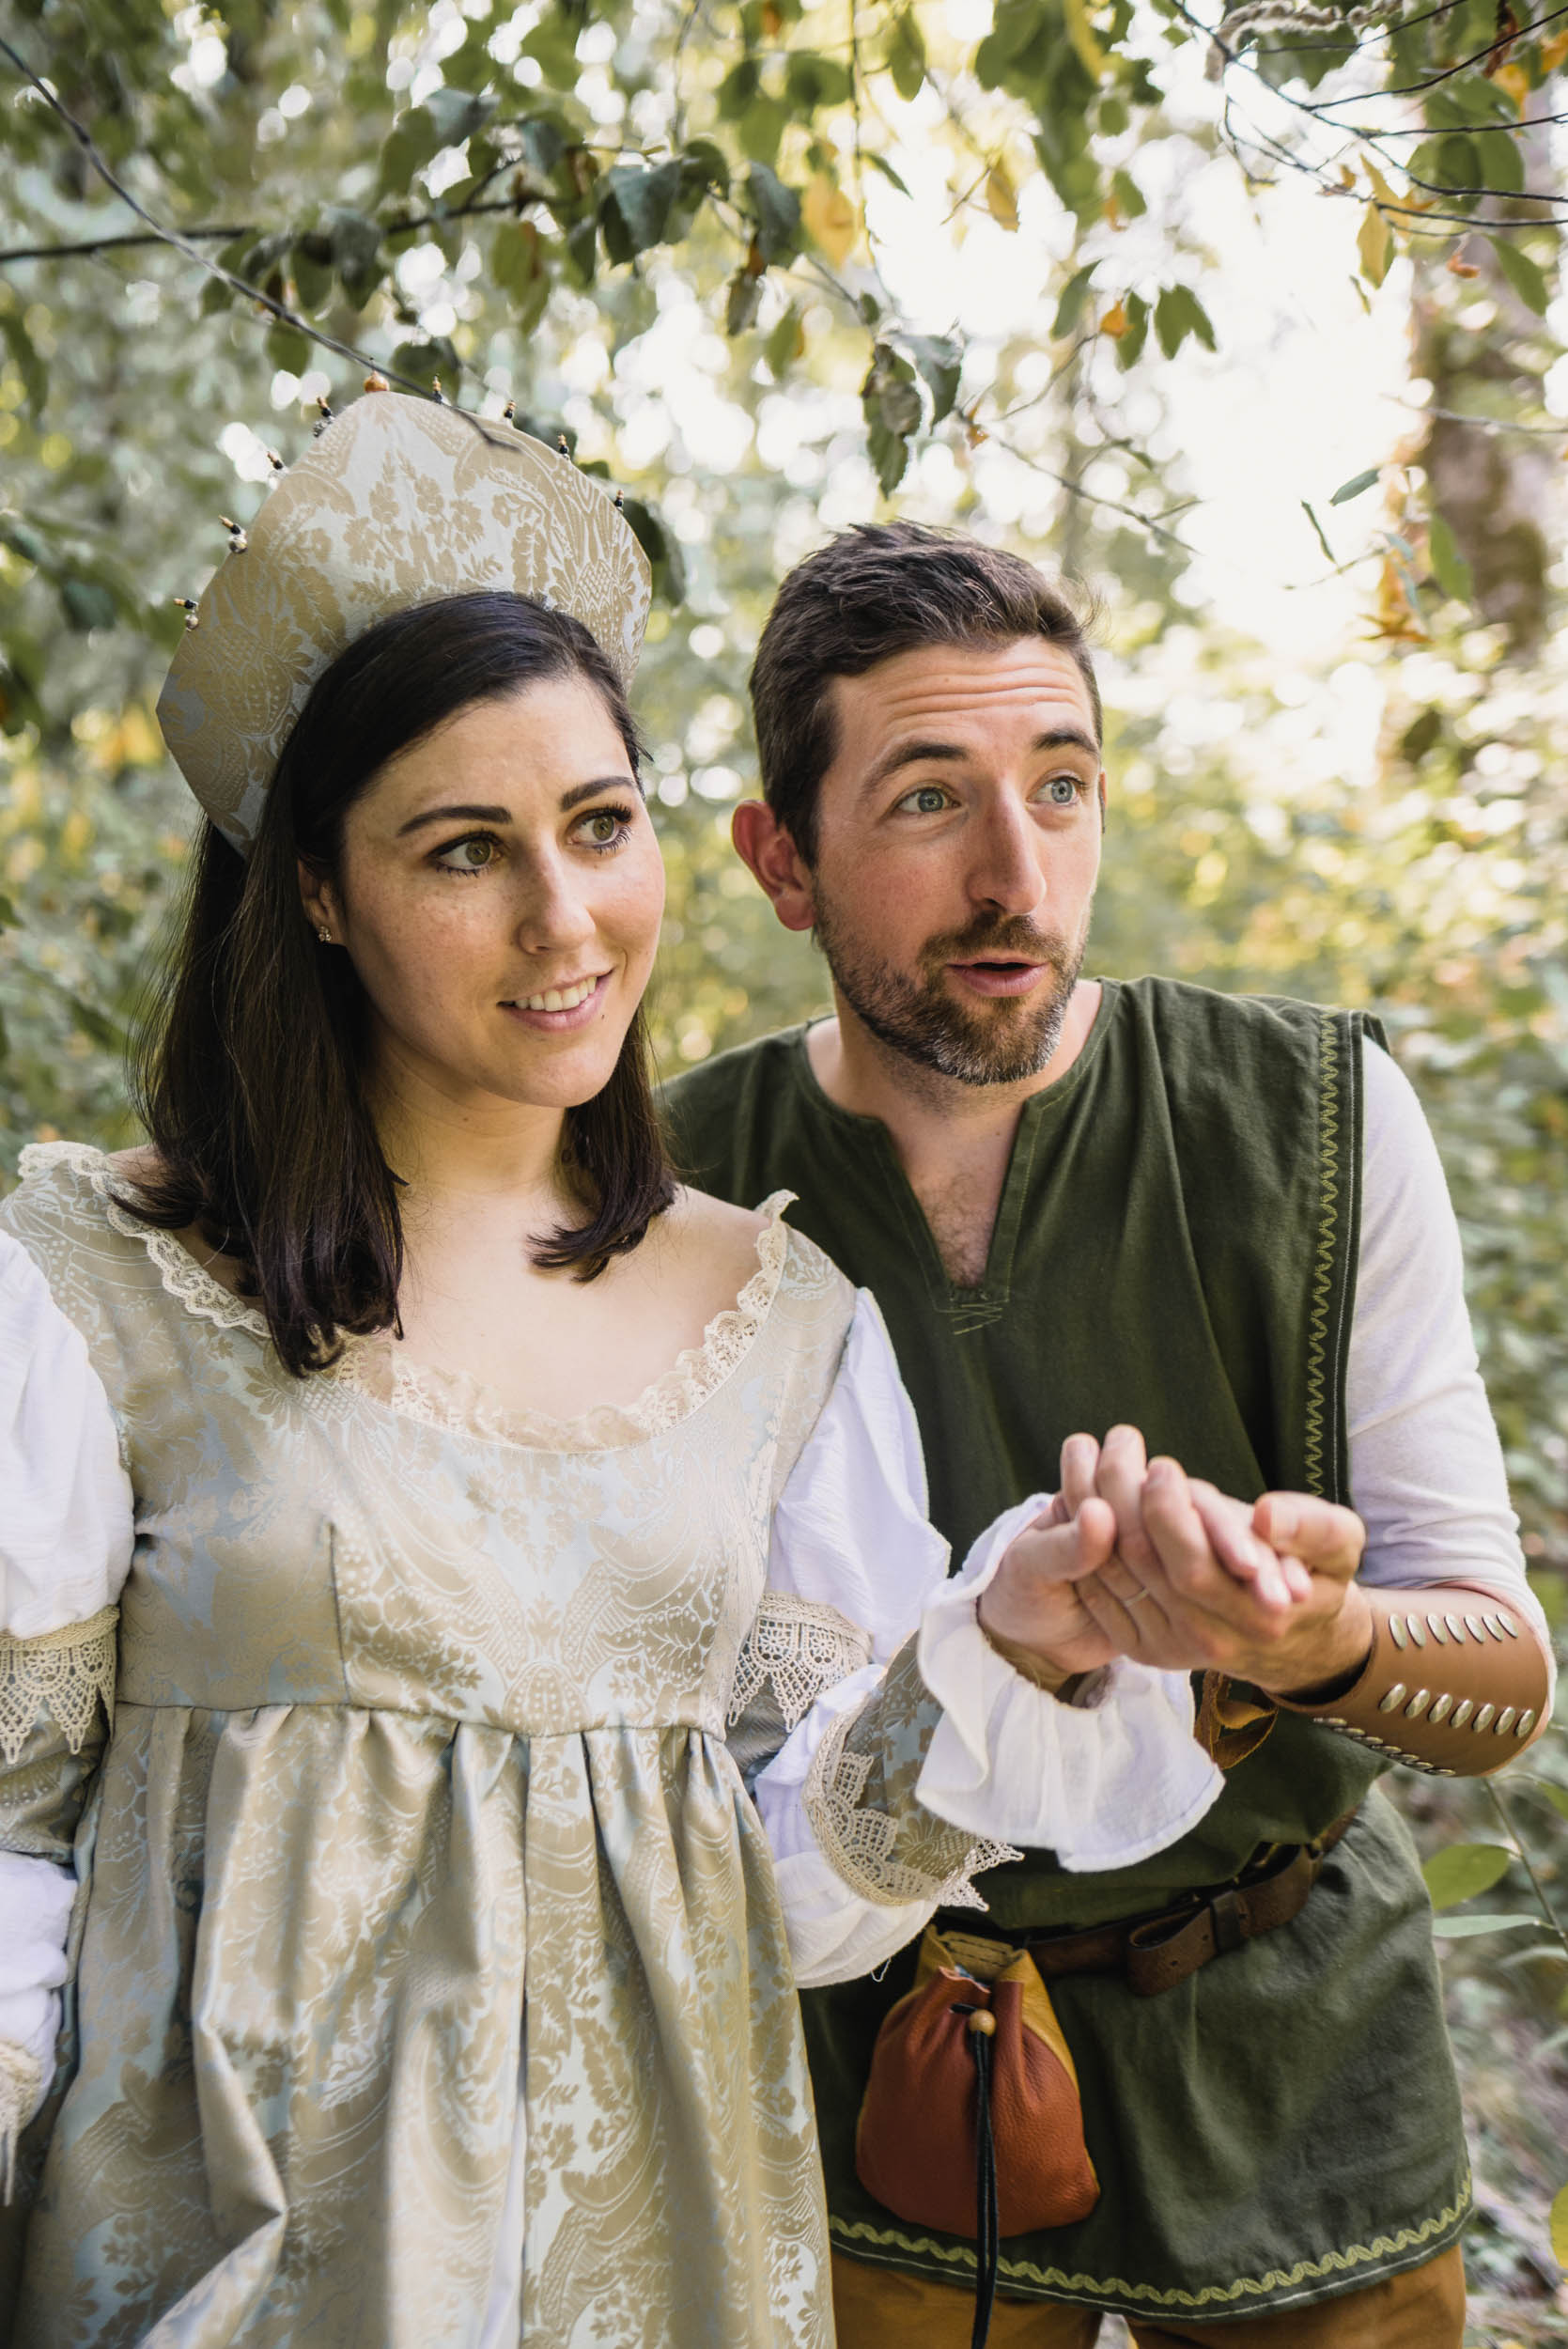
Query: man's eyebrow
<point x="475" y="815"/>
<point x="920" y="752"/>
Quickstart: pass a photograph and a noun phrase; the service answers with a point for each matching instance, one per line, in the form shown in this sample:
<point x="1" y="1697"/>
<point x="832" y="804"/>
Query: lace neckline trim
<point x="373" y="1366"/>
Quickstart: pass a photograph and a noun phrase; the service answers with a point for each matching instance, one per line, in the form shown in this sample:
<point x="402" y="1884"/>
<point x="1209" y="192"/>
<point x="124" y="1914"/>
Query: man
<point x="1216" y="1228"/>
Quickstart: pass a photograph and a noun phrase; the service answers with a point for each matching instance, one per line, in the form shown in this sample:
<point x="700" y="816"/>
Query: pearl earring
<point x="325" y="936"/>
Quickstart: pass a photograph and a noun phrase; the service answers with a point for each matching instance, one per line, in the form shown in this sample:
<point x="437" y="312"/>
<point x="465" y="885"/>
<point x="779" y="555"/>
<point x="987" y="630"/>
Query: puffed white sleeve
<point x="893" y="1753"/>
<point x="66" y="1539"/>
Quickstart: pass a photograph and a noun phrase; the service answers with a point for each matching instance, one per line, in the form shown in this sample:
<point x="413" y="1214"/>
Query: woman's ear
<point x="775" y="864"/>
<point x="320" y="909"/>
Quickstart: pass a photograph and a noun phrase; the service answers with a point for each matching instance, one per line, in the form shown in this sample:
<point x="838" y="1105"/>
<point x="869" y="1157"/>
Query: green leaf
<point x="1453" y="576"/>
<point x="906" y="56"/>
<point x="545" y="139"/>
<point x="1466" y="1928"/>
<point x="776" y="211"/>
<point x="424" y="361"/>
<point x="1356" y="485"/>
<point x="1130" y="344"/>
<point x="311" y="269"/>
<point x="1069" y="309"/>
<point x="704" y="170"/>
<point x="91" y="1023"/>
<point x="1130" y="200"/>
<point x="1179" y="313"/>
<point x="940" y="362"/>
<point x="1556" y="1796"/>
<point x="1558" y="2221"/>
<point x="811" y="82"/>
<point x="889" y="456"/>
<point x="456" y="114"/>
<point x="87" y="604"/>
<point x="662" y="550"/>
<point x="880" y="162"/>
<point x="1081" y="33"/>
<point x="9" y="918"/>
<point x="1460" y="1871"/>
<point x="742" y="301"/>
<point x="34" y="374"/>
<point x="23" y="541"/>
<point x="784" y="344"/>
<point x="288" y="347"/>
<point x="634" y="207"/>
<point x="1318" y="528"/>
<point x="738" y="89"/>
<point x="762" y="127"/>
<point x="1525" y="276"/>
<point x="356" y="247"/>
<point x="519" y="268"/>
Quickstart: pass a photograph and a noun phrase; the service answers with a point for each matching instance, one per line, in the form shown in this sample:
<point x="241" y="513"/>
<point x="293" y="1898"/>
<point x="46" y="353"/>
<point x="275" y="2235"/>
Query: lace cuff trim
<point x="860" y="1841"/>
<point x="20" y="2078"/>
<point x="68" y="1672"/>
<point x="803" y="1648"/>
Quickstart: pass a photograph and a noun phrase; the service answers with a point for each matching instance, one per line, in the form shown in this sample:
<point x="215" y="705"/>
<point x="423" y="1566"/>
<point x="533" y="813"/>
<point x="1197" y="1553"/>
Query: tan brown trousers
<point x="879" y="2308"/>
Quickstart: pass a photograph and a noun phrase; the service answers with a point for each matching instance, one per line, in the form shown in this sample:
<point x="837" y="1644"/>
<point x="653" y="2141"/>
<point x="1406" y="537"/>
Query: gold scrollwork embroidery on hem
<point x="20" y="2077"/>
<point x="860" y="1841"/>
<point x="803" y="1648"/>
<point x="68" y="1671"/>
<point x="1404" y="2247"/>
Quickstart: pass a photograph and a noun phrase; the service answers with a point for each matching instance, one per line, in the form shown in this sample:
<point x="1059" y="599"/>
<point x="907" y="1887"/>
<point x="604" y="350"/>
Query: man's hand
<point x="1182" y="1578"/>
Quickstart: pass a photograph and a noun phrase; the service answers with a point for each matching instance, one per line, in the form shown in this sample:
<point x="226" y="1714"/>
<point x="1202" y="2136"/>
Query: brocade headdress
<point x="399" y="501"/>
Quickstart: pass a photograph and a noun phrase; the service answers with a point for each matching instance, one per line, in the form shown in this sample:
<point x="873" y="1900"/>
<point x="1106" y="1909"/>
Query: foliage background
<point x="691" y="237"/>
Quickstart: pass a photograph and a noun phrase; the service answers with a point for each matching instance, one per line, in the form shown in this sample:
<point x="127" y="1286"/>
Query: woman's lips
<point x="997" y="978"/>
<point x="560" y="1023"/>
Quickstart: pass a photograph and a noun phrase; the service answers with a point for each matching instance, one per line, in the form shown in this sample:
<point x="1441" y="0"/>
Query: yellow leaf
<point x="1513" y="81"/>
<point x="1114" y="322"/>
<point x="1553" y="51"/>
<point x="830" y="217"/>
<point x="1380" y="187"/>
<point x="1081" y="33"/>
<point x="1374" y="245"/>
<point x="1559" y="2222"/>
<point x="1001" y="201"/>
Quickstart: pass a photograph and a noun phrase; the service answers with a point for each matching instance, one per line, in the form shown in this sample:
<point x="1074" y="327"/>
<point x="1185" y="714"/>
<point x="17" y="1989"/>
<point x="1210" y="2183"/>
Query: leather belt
<point x="1161" y="1948"/>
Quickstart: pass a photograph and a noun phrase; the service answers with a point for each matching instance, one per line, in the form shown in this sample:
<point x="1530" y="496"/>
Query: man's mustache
<point x="1009" y="935"/>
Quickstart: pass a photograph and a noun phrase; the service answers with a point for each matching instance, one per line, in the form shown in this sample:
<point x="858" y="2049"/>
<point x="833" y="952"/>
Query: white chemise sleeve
<point x="855" y="1571"/>
<point x="1426" y="1468"/>
<point x="66" y="1539"/>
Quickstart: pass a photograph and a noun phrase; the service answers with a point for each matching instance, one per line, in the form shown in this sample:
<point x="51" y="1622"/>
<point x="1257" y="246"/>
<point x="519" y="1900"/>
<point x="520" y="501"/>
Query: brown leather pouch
<point x="923" y="2139"/>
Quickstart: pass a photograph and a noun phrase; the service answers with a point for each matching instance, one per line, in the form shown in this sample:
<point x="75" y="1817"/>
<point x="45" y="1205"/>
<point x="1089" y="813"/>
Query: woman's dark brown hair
<point x="249" y="1075"/>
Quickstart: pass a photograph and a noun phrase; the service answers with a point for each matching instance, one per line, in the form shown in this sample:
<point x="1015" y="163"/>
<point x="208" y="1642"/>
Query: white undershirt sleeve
<point x="66" y="1538"/>
<point x="1426" y="1468"/>
<point x="1009" y="1762"/>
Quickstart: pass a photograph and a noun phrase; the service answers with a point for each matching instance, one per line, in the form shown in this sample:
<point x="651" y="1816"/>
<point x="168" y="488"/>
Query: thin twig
<point x="408" y="225"/>
<point x="1507" y="1817"/>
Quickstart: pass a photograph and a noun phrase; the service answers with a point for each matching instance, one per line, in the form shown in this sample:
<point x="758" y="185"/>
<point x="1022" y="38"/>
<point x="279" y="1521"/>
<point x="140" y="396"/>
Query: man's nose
<point x="1007" y="871"/>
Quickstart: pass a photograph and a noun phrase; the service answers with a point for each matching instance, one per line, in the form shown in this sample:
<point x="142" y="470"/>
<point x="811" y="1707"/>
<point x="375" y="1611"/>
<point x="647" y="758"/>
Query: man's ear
<point x="775" y="864"/>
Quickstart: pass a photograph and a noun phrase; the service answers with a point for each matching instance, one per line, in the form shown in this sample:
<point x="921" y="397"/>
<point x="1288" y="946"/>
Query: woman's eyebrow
<point x="456" y="815"/>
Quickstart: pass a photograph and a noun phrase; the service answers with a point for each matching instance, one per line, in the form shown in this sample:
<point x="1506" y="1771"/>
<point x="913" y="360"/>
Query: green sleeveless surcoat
<point x="1175" y="1247"/>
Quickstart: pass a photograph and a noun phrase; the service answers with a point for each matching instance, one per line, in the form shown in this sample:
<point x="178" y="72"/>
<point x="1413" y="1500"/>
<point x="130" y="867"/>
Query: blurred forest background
<point x="777" y="267"/>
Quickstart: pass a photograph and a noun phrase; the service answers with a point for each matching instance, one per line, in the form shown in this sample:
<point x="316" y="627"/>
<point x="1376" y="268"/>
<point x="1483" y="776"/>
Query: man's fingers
<point x="1123" y="1464"/>
<point x="1188" y="1516"/>
<point x="1062" y="1553"/>
<point x="1080" y="1456"/>
<point x="1323" y="1535"/>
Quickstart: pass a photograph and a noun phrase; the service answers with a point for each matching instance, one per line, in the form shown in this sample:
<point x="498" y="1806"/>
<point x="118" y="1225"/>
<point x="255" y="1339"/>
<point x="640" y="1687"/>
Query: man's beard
<point x="1000" y="1040"/>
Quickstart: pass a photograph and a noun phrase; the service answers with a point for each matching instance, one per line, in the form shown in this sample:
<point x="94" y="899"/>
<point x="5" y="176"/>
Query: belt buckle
<point x="1229" y="1920"/>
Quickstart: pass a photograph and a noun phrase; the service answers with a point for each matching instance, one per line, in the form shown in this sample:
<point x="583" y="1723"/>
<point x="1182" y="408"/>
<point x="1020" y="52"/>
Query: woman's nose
<point x="553" y="913"/>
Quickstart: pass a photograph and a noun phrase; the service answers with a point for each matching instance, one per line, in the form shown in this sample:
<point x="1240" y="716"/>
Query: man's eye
<point x="1063" y="790"/>
<point x="928" y="800"/>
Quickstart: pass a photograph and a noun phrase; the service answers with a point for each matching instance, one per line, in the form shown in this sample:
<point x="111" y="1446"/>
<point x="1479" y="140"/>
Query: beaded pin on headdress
<point x="398" y="502"/>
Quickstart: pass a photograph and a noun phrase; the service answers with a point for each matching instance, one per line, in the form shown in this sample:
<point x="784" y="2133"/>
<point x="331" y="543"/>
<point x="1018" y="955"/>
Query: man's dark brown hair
<point x="871" y="593"/>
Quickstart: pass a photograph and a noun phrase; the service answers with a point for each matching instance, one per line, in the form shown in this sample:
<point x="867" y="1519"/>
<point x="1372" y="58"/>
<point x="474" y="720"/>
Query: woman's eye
<point x="605" y="828"/>
<point x="475" y="854"/>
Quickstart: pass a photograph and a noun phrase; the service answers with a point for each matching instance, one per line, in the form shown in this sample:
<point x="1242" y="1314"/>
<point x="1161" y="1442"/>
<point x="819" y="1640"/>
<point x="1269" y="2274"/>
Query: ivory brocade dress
<point x="420" y="1802"/>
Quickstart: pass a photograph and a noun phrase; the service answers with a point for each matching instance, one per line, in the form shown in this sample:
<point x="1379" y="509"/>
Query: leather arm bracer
<point x="1456" y="1682"/>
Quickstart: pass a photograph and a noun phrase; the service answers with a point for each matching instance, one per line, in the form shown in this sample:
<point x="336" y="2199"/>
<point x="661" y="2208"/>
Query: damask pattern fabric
<point x="467" y="1702"/>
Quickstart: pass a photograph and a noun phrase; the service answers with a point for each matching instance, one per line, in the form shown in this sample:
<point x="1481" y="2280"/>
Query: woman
<point x="460" y="1516"/>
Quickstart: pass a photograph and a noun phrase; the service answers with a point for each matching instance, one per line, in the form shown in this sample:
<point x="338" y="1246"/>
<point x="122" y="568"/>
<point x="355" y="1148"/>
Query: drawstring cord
<point x="982" y="2030"/>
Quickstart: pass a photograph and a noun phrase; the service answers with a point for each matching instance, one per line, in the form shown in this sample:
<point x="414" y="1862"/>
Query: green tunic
<point x="1175" y="1247"/>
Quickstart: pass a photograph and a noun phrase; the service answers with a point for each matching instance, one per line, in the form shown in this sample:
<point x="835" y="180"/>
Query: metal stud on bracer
<point x="238" y="541"/>
<point x="188" y="605"/>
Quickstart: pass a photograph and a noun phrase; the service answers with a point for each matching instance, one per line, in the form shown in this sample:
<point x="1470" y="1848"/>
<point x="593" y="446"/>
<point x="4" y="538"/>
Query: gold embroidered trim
<point x="66" y="1672"/>
<point x="803" y="1648"/>
<point x="20" y="2078"/>
<point x="1323" y="1268"/>
<point x="1114" y="2290"/>
<point x="859" y="1841"/>
<point x="178" y="1272"/>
